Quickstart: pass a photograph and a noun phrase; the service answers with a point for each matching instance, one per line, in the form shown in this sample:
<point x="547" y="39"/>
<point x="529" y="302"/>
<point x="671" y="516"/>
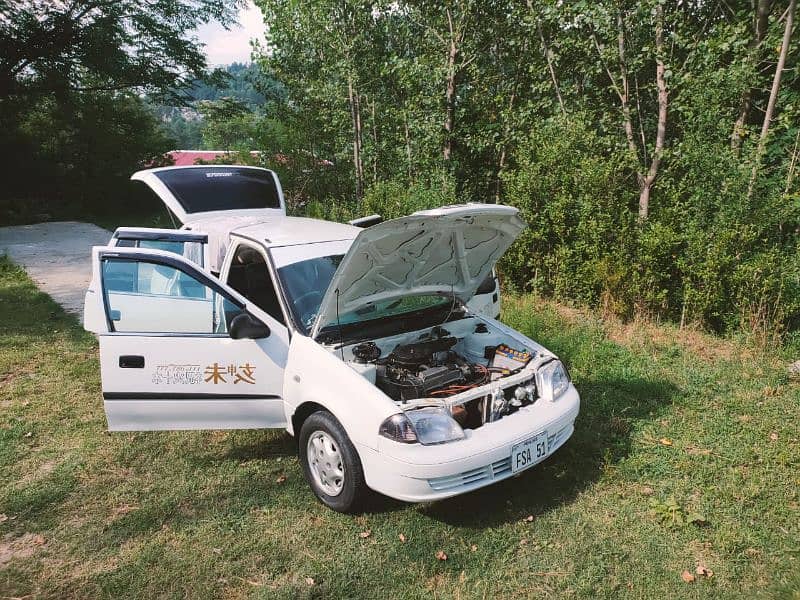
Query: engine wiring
<point x="485" y="376"/>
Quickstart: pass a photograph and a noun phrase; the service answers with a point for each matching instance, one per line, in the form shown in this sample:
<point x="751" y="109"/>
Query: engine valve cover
<point x="427" y="380"/>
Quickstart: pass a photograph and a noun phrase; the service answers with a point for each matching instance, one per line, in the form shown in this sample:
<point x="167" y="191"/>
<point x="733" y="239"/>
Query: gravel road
<point x="57" y="256"/>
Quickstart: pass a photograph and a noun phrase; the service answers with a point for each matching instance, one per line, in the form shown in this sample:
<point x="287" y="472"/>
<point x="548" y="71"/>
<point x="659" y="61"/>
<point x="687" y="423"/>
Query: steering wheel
<point x="304" y="306"/>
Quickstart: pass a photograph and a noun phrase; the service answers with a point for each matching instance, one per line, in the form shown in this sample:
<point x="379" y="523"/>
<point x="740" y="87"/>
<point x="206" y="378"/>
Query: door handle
<point x="131" y="362"/>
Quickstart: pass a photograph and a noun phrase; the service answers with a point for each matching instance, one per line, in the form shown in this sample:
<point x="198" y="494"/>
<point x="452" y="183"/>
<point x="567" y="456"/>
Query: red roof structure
<point x="187" y="158"/>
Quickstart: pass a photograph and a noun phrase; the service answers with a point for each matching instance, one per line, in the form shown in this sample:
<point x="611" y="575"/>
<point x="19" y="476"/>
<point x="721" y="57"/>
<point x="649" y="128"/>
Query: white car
<point x="216" y="199"/>
<point x="358" y="342"/>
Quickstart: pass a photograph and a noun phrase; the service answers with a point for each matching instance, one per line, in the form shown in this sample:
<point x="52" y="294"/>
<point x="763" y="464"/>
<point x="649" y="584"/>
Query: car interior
<point x="249" y="275"/>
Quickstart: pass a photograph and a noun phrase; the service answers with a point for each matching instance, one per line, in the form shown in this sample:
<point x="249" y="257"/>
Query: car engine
<point x="423" y="369"/>
<point x="430" y="368"/>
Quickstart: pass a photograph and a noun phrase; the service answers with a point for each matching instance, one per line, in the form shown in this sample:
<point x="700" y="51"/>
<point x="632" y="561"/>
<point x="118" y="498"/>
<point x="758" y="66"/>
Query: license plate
<point x="528" y="453"/>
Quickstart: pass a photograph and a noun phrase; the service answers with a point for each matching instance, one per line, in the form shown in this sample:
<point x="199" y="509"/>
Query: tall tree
<point x="103" y="45"/>
<point x="647" y="163"/>
<point x="773" y="94"/>
<point x="760" y="24"/>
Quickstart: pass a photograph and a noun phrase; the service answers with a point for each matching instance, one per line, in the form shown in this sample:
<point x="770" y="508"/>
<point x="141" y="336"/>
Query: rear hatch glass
<point x="201" y="189"/>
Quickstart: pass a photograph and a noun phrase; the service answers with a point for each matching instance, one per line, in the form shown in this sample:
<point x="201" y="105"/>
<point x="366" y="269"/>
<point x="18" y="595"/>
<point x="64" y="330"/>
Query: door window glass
<point x="149" y="297"/>
<point x="192" y="251"/>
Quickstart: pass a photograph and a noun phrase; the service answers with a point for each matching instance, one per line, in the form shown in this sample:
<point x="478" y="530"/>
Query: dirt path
<point x="57" y="256"/>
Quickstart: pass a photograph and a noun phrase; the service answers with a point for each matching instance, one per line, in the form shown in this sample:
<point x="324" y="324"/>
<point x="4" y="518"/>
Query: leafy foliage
<point x="631" y="135"/>
<point x="62" y="47"/>
<point x="72" y="119"/>
<point x="573" y="112"/>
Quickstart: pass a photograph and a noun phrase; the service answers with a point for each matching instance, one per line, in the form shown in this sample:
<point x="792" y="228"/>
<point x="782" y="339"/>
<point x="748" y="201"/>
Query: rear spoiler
<point x="367" y="221"/>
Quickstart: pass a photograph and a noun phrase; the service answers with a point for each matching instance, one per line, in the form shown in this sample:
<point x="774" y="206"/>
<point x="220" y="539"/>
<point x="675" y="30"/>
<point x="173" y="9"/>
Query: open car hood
<point x="203" y="192"/>
<point x="448" y="250"/>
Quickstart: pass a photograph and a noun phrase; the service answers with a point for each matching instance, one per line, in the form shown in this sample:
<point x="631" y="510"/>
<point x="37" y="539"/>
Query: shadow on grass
<point x="25" y="311"/>
<point x="609" y="407"/>
<point x="282" y="446"/>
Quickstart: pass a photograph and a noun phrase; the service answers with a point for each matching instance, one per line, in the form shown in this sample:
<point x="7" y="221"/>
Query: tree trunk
<point x="792" y="165"/>
<point x="450" y="93"/>
<point x="661" y="127"/>
<point x="759" y="32"/>
<point x="360" y="139"/>
<point x="355" y="114"/>
<point x="374" y="144"/>
<point x="624" y="92"/>
<point x="773" y="95"/>
<point x="408" y="146"/>
<point x="550" y="67"/>
<point x="501" y="164"/>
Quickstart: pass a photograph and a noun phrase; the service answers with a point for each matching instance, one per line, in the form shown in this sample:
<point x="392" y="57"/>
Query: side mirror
<point x="246" y="326"/>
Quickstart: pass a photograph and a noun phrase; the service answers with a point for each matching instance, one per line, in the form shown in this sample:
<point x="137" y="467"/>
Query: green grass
<point x="675" y="427"/>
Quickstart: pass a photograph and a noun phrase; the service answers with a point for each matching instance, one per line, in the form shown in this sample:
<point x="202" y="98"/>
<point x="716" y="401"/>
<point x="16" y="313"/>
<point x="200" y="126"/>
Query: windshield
<point x="203" y="189"/>
<point x="305" y="283"/>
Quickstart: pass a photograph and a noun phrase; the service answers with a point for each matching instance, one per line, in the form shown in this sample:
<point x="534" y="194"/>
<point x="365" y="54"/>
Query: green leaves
<point x="673" y="515"/>
<point x="53" y="47"/>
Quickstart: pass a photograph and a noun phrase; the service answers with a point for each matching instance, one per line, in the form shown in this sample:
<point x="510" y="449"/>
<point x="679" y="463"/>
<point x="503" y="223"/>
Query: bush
<point x="573" y="191"/>
<point x="390" y="199"/>
<point x="706" y="254"/>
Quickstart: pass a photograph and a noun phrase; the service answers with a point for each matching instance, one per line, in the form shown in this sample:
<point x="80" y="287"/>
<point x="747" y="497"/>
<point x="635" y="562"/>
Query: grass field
<point x="686" y="455"/>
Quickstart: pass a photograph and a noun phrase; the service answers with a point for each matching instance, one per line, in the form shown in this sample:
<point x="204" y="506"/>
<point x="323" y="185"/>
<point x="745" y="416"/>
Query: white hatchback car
<point x="358" y="342"/>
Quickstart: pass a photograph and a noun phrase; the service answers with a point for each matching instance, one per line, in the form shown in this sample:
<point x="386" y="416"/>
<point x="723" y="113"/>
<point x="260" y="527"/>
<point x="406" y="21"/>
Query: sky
<point x="224" y="47"/>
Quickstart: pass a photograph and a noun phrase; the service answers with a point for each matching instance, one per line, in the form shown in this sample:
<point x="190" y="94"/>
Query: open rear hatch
<point x="203" y="192"/>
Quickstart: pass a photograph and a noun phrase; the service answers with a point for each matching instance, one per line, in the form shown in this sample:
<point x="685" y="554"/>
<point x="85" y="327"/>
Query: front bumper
<point x="417" y="473"/>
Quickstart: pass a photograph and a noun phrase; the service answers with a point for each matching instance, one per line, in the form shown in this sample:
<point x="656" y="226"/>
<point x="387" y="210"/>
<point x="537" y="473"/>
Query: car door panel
<point x="219" y="383"/>
<point x="167" y="361"/>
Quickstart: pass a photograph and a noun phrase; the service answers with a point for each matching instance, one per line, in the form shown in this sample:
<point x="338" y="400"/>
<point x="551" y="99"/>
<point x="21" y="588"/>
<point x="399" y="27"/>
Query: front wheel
<point x="330" y="463"/>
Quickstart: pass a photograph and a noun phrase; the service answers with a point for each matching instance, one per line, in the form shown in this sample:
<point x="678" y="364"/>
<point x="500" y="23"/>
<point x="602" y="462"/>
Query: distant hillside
<point x="245" y="82"/>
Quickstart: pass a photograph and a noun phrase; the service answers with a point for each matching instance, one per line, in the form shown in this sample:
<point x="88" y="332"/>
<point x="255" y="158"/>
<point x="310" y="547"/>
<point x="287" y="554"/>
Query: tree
<point x="646" y="168"/>
<point x="103" y="45"/>
<point x="773" y="94"/>
<point x="760" y="24"/>
<point x="228" y="124"/>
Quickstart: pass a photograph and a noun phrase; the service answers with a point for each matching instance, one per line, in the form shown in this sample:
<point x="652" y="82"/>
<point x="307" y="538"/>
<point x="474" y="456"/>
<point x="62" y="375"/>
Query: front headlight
<point x="552" y="380"/>
<point x="398" y="428"/>
<point x="425" y="425"/>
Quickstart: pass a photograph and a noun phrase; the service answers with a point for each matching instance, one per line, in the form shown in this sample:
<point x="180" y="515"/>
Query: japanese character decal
<point x="241" y="373"/>
<point x="245" y="374"/>
<point x="215" y="374"/>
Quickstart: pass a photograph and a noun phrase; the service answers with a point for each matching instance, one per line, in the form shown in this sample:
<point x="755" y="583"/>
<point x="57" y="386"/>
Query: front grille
<point x="495" y="471"/>
<point x="491" y="472"/>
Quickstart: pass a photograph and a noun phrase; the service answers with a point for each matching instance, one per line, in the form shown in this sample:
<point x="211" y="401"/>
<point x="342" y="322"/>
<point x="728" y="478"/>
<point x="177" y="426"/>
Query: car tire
<point x="330" y="463"/>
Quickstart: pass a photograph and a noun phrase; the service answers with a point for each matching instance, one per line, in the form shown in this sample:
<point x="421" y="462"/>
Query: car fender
<point x="315" y="374"/>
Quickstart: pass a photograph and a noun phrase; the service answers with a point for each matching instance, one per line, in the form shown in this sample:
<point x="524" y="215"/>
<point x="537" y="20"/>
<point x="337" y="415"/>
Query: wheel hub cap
<point x="325" y="463"/>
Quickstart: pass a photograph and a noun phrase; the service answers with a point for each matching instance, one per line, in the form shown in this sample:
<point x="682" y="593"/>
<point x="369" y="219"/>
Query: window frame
<point x="136" y="235"/>
<point x="237" y="242"/>
<point x="166" y="260"/>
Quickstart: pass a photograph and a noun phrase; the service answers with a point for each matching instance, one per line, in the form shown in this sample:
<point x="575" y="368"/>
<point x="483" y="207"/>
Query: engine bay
<point x="438" y="365"/>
